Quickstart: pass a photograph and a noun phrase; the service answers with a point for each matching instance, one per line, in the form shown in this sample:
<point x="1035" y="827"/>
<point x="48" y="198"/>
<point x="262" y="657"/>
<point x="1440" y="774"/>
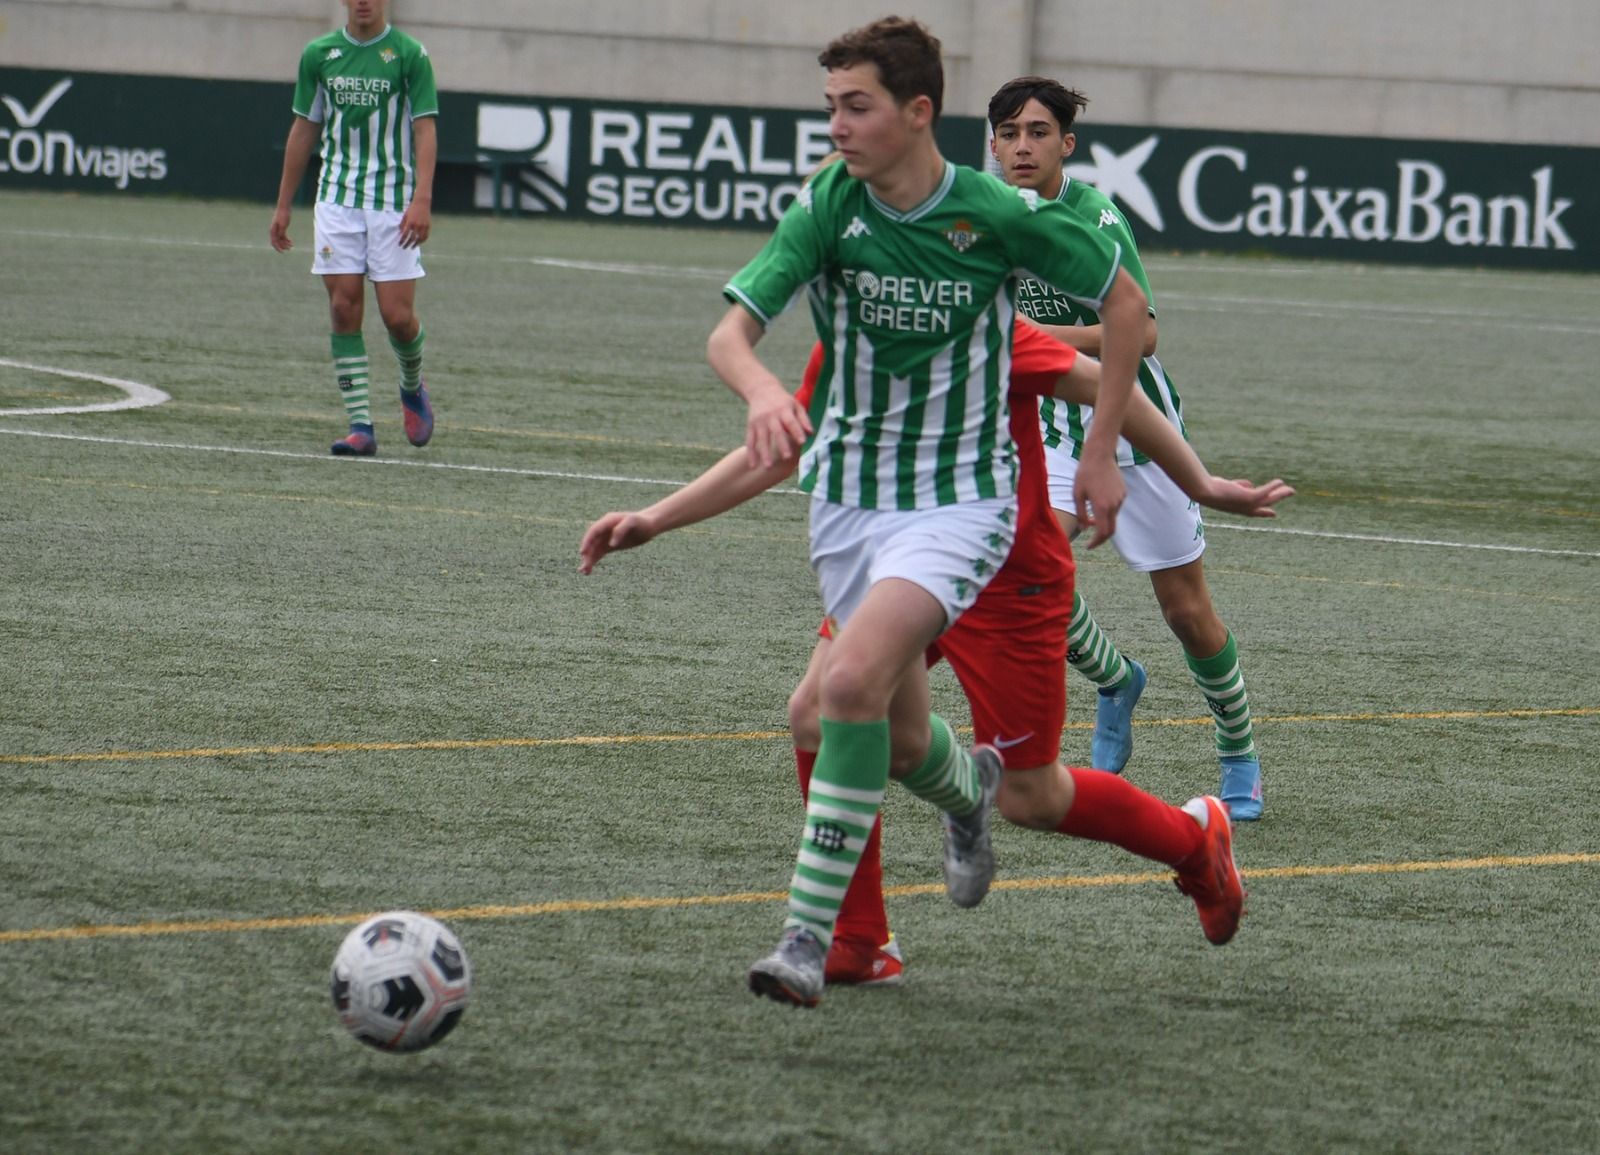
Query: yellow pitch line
<point x="734" y="736"/>
<point x="582" y="906"/>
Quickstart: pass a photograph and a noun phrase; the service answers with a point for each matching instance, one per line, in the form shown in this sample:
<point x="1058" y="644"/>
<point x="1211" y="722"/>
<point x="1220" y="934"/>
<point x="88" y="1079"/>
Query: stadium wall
<point x="708" y="115"/>
<point x="1469" y="70"/>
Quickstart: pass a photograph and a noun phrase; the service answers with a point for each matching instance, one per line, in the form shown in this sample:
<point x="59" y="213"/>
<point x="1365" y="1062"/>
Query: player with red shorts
<point x="1009" y="652"/>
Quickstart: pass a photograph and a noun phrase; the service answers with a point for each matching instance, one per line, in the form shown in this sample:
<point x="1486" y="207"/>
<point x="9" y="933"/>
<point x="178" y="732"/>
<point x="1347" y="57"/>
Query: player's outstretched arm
<point x="1156" y="437"/>
<point x="296" y="155"/>
<point x="728" y="483"/>
<point x="777" y="425"/>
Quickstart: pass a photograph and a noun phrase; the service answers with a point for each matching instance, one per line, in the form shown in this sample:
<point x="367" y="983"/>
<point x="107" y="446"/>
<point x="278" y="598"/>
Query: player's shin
<point x="846" y="792"/>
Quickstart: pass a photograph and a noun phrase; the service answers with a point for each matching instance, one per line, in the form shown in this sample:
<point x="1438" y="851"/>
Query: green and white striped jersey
<point x="914" y="310"/>
<point x="1065" y="423"/>
<point x="365" y="95"/>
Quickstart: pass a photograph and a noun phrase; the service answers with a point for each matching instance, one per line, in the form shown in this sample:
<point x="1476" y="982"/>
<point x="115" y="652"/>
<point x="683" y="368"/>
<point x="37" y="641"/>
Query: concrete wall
<point x="1450" y="69"/>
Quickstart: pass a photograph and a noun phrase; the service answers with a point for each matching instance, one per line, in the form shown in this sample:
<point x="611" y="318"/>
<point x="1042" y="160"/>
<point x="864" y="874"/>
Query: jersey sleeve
<point x="1114" y="225"/>
<point x="1048" y="241"/>
<point x="308" y="87"/>
<point x="1038" y="360"/>
<point x="420" y="88"/>
<point x="791" y="259"/>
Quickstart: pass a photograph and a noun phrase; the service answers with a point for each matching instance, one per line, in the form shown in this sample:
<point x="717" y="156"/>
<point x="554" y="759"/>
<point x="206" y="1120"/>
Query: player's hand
<point x="1098" y="497"/>
<point x="278" y="231"/>
<point x="612" y="532"/>
<point x="1244" y="497"/>
<point x="776" y="428"/>
<point x="415" y="225"/>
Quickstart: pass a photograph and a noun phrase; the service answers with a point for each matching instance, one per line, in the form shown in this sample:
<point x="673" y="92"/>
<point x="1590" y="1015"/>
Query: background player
<point x="1159" y="530"/>
<point x="370" y="88"/>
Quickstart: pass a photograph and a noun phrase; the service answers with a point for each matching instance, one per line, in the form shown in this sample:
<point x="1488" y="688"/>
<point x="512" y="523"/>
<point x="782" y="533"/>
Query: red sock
<point x="862" y="916"/>
<point x="1108" y="808"/>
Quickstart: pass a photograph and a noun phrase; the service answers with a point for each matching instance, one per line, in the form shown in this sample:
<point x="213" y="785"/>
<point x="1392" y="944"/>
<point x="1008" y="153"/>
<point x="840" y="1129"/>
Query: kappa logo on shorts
<point x="541" y="168"/>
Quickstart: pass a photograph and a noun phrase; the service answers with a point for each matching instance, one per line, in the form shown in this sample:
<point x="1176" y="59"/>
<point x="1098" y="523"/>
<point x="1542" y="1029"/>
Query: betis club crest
<point x="962" y="237"/>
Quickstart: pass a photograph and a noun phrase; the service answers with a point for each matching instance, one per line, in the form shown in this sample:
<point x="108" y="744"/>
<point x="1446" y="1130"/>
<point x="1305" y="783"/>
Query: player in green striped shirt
<point x="366" y="92"/>
<point x="1160" y="528"/>
<point x="908" y="264"/>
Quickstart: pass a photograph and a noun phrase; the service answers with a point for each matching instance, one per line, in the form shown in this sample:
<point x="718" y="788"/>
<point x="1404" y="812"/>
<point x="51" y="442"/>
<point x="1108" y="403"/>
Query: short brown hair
<point x="1064" y="103"/>
<point x="906" y="53"/>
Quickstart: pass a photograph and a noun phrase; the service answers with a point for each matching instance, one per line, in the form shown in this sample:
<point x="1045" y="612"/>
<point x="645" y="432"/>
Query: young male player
<point x="908" y="265"/>
<point x="370" y="88"/>
<point x="1008" y="651"/>
<point x="1159" y="529"/>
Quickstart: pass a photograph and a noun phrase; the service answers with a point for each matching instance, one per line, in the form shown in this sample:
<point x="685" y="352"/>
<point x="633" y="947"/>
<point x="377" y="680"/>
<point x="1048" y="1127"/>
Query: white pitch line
<point x="139" y="396"/>
<point x="1406" y="540"/>
<point x="623" y="479"/>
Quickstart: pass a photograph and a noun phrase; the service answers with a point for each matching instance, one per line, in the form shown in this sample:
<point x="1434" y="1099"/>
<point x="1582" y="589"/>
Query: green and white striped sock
<point x="947" y="777"/>
<point x="1090" y="652"/>
<point x="847" y="786"/>
<point x="409" y="355"/>
<point x="350" y="371"/>
<point x="1222" y="684"/>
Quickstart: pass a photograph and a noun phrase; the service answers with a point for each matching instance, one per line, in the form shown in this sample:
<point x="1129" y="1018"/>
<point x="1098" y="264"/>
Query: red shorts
<point x="1009" y="652"/>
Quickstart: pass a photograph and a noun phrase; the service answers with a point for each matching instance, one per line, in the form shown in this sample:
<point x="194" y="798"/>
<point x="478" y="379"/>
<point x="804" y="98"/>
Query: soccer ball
<point x="400" y="981"/>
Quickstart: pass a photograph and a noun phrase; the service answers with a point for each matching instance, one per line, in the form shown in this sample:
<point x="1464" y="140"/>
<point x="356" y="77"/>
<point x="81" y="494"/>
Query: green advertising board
<point x="1357" y="198"/>
<point x="737" y="167"/>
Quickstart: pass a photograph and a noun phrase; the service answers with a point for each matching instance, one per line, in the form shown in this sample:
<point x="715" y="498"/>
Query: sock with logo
<point x="350" y="370"/>
<point x="947" y="777"/>
<point x="1090" y="652"/>
<point x="409" y="354"/>
<point x="862" y="916"/>
<point x="1221" y="682"/>
<point x="1108" y="808"/>
<point x="847" y="786"/>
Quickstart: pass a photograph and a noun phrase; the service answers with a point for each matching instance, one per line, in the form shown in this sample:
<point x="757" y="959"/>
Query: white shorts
<point x="952" y="551"/>
<point x="1158" y="527"/>
<point x="363" y="241"/>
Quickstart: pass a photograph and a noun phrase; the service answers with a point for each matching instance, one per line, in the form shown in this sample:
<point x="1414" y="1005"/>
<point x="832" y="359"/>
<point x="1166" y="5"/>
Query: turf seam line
<point x="515" y="743"/>
<point x="586" y="906"/>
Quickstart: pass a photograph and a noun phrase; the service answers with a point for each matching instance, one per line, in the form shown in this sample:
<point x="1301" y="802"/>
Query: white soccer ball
<point x="400" y="981"/>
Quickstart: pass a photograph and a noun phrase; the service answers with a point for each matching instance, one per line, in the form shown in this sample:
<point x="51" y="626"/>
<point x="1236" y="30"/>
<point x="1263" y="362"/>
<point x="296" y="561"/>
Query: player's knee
<point x="804" y="728"/>
<point x="401" y="321"/>
<point x="345" y="313"/>
<point x="1035" y="799"/>
<point x="1193" y="622"/>
<point x="850" y="693"/>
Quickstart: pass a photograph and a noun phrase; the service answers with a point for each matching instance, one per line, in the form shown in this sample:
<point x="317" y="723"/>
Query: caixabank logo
<point x="42" y="140"/>
<point x="701" y="165"/>
<point x="1364" y="199"/>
